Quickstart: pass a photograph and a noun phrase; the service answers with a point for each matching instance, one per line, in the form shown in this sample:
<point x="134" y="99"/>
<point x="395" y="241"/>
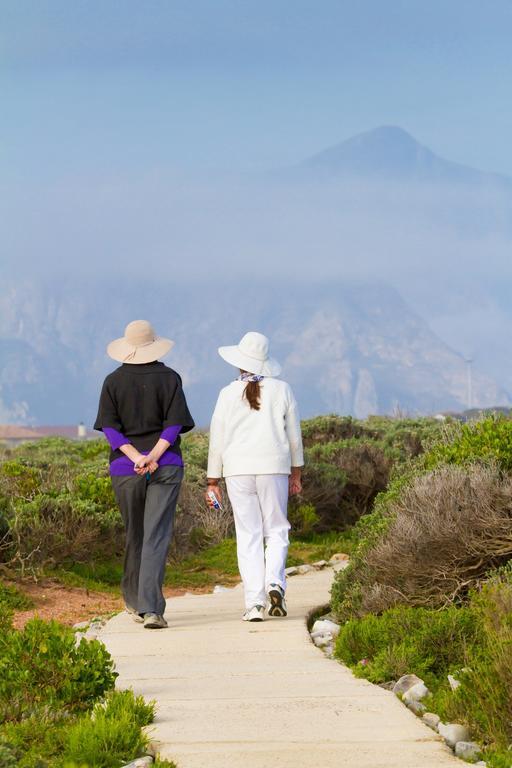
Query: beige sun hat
<point x="139" y="345"/>
<point x="251" y="355"/>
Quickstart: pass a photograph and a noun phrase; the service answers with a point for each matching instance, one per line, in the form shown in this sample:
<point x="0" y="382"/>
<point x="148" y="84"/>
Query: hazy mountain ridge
<point x="389" y="152"/>
<point x="349" y="348"/>
<point x="378" y="205"/>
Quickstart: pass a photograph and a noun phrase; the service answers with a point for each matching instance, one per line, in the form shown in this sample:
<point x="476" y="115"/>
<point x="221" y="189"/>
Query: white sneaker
<point x="256" y="613"/>
<point x="276" y="601"/>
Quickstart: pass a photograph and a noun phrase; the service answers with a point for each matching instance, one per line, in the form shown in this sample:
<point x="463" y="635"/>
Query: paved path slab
<point x="233" y="694"/>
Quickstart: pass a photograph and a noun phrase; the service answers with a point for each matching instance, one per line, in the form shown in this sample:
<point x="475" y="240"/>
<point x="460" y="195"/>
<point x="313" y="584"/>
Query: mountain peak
<point x="384" y="133"/>
<point x="388" y="153"/>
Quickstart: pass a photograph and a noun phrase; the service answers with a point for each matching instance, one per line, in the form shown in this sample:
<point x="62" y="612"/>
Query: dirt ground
<point x="70" y="605"/>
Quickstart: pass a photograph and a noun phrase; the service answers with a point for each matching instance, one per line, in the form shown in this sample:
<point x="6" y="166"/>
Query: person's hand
<point x="295" y="481"/>
<point x="142" y="464"/>
<point x="217" y="491"/>
<point x="152" y="466"/>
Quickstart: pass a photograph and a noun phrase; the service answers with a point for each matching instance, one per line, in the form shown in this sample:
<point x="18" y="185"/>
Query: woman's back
<point x="244" y="440"/>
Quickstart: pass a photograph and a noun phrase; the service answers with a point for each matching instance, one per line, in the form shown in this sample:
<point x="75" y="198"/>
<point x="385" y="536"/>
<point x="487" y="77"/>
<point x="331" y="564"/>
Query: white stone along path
<point x="232" y="694"/>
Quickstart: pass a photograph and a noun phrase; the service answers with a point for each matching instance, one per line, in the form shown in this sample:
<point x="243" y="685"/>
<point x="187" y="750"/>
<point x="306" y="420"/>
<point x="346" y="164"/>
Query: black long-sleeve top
<point x="140" y="401"/>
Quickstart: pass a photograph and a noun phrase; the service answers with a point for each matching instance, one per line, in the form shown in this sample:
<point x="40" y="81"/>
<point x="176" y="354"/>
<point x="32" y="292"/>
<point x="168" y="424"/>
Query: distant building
<point x="12" y="434"/>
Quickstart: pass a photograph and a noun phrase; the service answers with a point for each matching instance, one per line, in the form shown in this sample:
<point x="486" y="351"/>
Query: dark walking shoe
<point x="154" y="621"/>
<point x="276" y="601"/>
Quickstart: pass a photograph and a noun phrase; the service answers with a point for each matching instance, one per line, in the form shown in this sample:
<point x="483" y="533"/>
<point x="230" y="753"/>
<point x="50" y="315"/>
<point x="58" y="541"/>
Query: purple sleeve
<point x="171" y="433"/>
<point x="115" y="438"/>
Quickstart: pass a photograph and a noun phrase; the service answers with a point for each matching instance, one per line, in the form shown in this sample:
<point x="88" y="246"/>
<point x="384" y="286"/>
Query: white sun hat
<point x="139" y="345"/>
<point x="251" y="355"/>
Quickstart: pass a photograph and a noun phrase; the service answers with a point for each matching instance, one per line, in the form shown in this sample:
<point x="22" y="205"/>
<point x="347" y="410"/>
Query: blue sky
<point x="101" y="87"/>
<point x="136" y="135"/>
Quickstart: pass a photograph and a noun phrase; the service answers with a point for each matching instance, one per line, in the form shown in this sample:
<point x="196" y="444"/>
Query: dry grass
<point x="450" y="527"/>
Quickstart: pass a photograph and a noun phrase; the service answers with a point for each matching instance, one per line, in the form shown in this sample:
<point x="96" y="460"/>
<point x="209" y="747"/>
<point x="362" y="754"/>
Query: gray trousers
<point x="148" y="508"/>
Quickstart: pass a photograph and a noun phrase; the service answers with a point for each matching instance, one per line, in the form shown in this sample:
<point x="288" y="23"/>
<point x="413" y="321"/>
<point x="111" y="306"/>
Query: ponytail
<point x="252" y="394"/>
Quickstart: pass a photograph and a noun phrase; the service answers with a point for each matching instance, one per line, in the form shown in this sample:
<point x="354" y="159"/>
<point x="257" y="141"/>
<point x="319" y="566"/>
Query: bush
<point x="473" y="642"/>
<point x="42" y="666"/>
<point x="443" y="524"/>
<point x="401" y="439"/>
<point x="489" y="441"/>
<point x="57" y="705"/>
<point x="349" y="462"/>
<point x="56" y="503"/>
<point x="303" y="519"/>
<point x="7" y="757"/>
<point x="484" y="698"/>
<point x="48" y="531"/>
<point x="12" y="598"/>
<point x="349" y="585"/>
<point x="342" y="479"/>
<point x="446" y="530"/>
<point x="36" y="741"/>
<point x="112" y="736"/>
<point x="402" y="640"/>
<point x="434" y="539"/>
<point x="109" y="735"/>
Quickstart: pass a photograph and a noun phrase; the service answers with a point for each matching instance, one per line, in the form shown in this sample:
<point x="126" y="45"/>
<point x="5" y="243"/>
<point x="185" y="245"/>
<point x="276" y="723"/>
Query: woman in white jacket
<point x="256" y="444"/>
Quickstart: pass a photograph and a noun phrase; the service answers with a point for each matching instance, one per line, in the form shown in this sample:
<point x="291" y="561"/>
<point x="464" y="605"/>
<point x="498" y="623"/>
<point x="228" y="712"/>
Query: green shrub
<point x="19" y="479"/>
<point x="329" y="429"/>
<point x="484" y="698"/>
<point x="486" y="440"/>
<point x="56" y="502"/>
<point x="11" y="596"/>
<point x="11" y="599"/>
<point x="109" y="735"/>
<point x="498" y="758"/>
<point x="401" y="439"/>
<point x="403" y="640"/>
<point x="90" y="486"/>
<point x="7" y="757"/>
<point x="406" y="439"/>
<point x="36" y="741"/>
<point x="120" y="703"/>
<point x="303" y="519"/>
<point x="48" y="530"/>
<point x="348" y="462"/>
<point x="473" y="642"/>
<point x="112" y="736"/>
<point x="43" y="666"/>
<point x="55" y="479"/>
<point x="341" y="480"/>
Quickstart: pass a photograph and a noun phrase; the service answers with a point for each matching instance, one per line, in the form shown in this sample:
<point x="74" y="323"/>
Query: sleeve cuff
<point x="214" y="470"/>
<point x="171" y="433"/>
<point x="115" y="438"/>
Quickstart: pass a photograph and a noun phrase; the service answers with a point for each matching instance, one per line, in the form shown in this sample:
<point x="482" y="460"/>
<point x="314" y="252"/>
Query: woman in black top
<point x="142" y="412"/>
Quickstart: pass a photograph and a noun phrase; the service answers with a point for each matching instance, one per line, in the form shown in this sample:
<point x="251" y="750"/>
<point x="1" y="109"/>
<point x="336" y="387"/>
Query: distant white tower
<point x="82" y="430"/>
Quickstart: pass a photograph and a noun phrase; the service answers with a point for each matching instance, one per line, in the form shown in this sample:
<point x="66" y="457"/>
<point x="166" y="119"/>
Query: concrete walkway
<point x="233" y="694"/>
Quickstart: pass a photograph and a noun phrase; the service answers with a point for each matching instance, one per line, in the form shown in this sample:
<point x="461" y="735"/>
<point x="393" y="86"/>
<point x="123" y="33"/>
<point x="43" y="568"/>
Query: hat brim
<point x="238" y="359"/>
<point x="120" y="350"/>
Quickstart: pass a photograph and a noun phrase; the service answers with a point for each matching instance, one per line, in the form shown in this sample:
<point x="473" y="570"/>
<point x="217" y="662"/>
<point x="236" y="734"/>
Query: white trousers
<point x="260" y="506"/>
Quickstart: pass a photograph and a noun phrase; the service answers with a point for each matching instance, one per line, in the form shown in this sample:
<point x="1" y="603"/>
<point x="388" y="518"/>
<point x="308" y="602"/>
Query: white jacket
<point x="244" y="441"/>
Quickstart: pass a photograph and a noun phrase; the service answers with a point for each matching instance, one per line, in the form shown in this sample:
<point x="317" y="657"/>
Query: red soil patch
<point x="70" y="605"/>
